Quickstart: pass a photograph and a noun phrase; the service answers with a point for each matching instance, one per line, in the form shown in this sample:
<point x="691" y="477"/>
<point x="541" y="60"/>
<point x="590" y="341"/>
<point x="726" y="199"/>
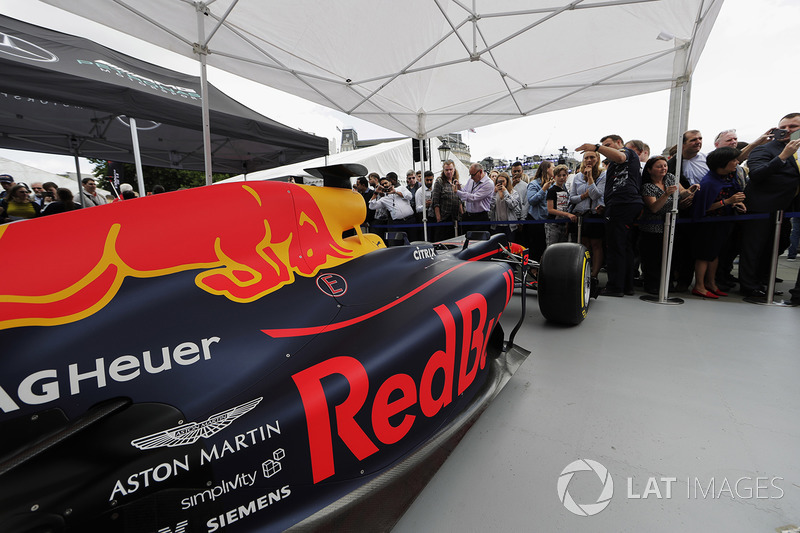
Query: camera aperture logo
<point x="585" y="509"/>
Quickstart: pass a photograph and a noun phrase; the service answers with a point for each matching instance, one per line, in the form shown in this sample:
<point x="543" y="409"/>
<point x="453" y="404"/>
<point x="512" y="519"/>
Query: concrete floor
<point x="704" y="392"/>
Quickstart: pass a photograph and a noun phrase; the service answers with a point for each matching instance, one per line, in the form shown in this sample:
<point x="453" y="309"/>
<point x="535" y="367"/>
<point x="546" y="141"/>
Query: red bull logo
<point x="396" y="395"/>
<point x="247" y="239"/>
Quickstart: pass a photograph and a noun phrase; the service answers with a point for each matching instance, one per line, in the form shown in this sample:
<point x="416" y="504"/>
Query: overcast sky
<point x="747" y="78"/>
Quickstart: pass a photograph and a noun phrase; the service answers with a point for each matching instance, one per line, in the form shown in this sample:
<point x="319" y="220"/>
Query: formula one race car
<point x="223" y="359"/>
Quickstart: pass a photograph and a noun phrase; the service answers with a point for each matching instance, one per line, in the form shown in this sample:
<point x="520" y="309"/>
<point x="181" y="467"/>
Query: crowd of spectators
<point x="20" y="202"/>
<point x="615" y="203"/>
<point x="619" y="197"/>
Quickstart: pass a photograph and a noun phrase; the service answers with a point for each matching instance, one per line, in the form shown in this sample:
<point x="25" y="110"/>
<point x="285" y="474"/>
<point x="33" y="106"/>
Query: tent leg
<point x="671" y="219"/>
<point x="201" y="50"/>
<point x="78" y="173"/>
<point x="137" y="155"/>
<point x="422" y="148"/>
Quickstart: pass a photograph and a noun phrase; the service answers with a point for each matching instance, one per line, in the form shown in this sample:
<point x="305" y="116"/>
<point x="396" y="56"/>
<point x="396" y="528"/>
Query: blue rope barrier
<point x="734" y="218"/>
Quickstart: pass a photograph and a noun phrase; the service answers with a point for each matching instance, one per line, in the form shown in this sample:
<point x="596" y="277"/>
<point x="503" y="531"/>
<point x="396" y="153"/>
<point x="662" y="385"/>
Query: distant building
<point x="531" y="162"/>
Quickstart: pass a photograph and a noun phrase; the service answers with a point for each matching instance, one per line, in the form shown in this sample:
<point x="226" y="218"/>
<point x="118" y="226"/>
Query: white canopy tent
<point x="428" y="67"/>
<point x="392" y="156"/>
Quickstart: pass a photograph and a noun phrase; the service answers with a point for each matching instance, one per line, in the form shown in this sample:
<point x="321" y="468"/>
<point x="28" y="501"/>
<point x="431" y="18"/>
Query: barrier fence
<point x="668" y="237"/>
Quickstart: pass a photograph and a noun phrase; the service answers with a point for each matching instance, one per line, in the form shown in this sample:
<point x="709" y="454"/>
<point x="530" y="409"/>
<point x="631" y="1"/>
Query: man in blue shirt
<point x="477" y="198"/>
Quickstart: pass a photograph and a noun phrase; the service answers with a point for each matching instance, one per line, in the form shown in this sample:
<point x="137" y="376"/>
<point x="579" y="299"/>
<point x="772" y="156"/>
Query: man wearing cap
<point x="89" y="193"/>
<point x="7" y="182"/>
<point x="477" y="198"/>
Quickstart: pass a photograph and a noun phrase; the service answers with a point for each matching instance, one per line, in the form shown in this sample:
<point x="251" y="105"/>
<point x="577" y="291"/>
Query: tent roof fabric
<point x="60" y="93"/>
<point x="428" y="67"/>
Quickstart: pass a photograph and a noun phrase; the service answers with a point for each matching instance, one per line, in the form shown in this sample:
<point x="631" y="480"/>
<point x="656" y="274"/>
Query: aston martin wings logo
<point x="191" y="433"/>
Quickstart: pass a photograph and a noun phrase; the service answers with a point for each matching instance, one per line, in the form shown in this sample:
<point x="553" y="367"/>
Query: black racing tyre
<point x="564" y="282"/>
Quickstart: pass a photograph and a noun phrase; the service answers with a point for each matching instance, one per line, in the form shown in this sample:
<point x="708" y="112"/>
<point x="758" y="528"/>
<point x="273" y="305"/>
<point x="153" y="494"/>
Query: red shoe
<point x="719" y="292"/>
<point x="707" y="294"/>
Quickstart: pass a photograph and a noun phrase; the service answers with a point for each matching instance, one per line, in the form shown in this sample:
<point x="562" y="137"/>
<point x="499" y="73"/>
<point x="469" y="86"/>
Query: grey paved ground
<point x="707" y="391"/>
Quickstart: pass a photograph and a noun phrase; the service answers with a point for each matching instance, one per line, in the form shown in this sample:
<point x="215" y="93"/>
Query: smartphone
<point x="779" y="134"/>
<point x="794" y="136"/>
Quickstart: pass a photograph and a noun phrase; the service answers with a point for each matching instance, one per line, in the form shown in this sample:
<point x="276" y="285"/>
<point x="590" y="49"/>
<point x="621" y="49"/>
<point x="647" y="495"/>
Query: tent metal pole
<point x="78" y="178"/>
<point x="672" y="217"/>
<point x="201" y="50"/>
<point x="137" y="155"/>
<point x="423" y="147"/>
<point x="74" y="143"/>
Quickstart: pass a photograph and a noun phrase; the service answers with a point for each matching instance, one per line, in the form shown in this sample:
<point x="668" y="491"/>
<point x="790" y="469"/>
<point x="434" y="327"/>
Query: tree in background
<point x="170" y="178"/>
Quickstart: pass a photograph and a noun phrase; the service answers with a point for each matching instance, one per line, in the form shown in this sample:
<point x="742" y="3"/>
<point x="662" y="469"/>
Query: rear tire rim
<point x="587" y="283"/>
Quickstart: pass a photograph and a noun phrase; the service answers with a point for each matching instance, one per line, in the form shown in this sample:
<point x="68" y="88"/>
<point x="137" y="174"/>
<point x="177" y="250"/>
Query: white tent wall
<point x="393" y="156"/>
<point x="469" y="64"/>
<point x="27" y="174"/>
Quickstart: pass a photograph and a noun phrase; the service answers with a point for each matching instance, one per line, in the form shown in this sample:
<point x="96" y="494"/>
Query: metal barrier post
<point x="773" y="269"/>
<point x="666" y="263"/>
<point x="580" y="227"/>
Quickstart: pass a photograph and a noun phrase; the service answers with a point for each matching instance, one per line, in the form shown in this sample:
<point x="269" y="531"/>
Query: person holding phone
<point x="586" y="197"/>
<point x="773" y="185"/>
<point x="558" y="207"/>
<point x="506" y="206"/>
<point x="477" y="198"/>
<point x="537" y="208"/>
<point x="623" y="200"/>
<point x="658" y="187"/>
<point x="396" y="199"/>
<point x="720" y="195"/>
<point x="730" y="251"/>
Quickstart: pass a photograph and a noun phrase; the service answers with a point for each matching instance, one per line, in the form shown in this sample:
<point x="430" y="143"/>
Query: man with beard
<point x="446" y="205"/>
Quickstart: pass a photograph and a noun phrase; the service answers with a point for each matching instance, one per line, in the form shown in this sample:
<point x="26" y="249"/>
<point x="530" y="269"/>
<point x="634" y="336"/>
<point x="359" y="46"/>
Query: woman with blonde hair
<point x="586" y="199"/>
<point x="537" y="208"/>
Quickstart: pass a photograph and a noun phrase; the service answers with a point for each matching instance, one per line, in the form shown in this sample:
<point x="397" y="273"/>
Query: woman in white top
<point x="505" y="206"/>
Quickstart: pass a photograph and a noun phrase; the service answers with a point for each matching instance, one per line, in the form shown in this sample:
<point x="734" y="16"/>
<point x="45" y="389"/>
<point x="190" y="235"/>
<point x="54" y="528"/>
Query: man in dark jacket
<point x="774" y="183"/>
